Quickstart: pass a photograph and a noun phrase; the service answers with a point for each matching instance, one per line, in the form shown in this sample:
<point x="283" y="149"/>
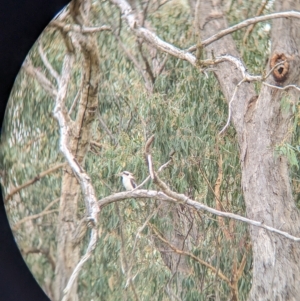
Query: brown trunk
<point x="68" y="249"/>
<point x="261" y="124"/>
<point x="67" y="252"/>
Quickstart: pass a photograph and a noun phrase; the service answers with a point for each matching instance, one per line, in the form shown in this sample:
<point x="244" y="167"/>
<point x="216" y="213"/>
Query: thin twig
<point x="149" y="36"/>
<point x="105" y="128"/>
<point x="229" y="106"/>
<point x="270" y="72"/>
<point x="17" y="225"/>
<point x="181" y="252"/>
<point x="281" y="88"/>
<point x="127" y="269"/>
<point x="74" y="102"/>
<point x="43" y="251"/>
<point x="137" y="236"/>
<point x="40" y="77"/>
<point x="47" y="64"/>
<point x="258" y="13"/>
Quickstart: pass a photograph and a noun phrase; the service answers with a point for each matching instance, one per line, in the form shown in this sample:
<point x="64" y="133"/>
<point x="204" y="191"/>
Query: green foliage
<point x="185" y="112"/>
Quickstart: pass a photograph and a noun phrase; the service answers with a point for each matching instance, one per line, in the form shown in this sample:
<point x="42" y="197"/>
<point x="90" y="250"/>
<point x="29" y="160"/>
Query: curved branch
<point x="84" y="258"/>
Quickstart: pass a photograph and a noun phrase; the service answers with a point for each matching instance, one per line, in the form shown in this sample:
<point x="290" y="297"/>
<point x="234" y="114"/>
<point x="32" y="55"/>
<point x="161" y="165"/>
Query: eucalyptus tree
<point x="161" y="89"/>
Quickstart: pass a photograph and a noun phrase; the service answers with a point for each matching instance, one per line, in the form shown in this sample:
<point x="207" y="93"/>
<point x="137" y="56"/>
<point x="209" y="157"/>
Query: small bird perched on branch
<point x="128" y="180"/>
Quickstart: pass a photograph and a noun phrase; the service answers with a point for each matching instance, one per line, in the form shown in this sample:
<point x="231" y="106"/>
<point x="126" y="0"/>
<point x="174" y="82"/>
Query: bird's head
<point x="125" y="174"/>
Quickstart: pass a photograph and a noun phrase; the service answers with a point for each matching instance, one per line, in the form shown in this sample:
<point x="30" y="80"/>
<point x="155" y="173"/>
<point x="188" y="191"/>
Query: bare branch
<point x="243" y="24"/>
<point x="229" y="106"/>
<point x="96" y="144"/>
<point x="40" y="77"/>
<point x="160" y="68"/>
<point x="170" y="196"/>
<point x="105" y="128"/>
<point x="95" y="29"/>
<point x="136" y="194"/>
<point x="148" y="177"/>
<point x="77" y="28"/>
<point x="47" y="64"/>
<point x="84" y="258"/>
<point x="183" y="199"/>
<point x="17" y="225"/>
<point x="258" y="13"/>
<point x="217" y="193"/>
<point x="31" y="217"/>
<point x="181" y="252"/>
<point x="148" y="155"/>
<point x="140" y="230"/>
<point x="131" y="57"/>
<point x="75" y="101"/>
<point x="43" y="251"/>
<point x="85" y="116"/>
<point x="35" y="179"/>
<point x="282" y="88"/>
<point x="149" y="36"/>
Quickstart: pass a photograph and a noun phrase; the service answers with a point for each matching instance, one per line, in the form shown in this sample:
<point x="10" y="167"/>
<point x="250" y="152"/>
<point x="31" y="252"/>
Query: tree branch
<point x="258" y="13"/>
<point x="47" y="64"/>
<point x="183" y="199"/>
<point x="17" y="225"/>
<point x="43" y="251"/>
<point x="148" y="36"/>
<point x="105" y="128"/>
<point x="84" y="258"/>
<point x="170" y="196"/>
<point x="243" y="24"/>
<point x="40" y="77"/>
<point x="35" y="179"/>
<point x="181" y="252"/>
<point x="77" y="28"/>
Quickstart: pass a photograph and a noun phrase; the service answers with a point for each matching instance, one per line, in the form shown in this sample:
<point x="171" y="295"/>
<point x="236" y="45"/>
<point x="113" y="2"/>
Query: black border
<point x="21" y="22"/>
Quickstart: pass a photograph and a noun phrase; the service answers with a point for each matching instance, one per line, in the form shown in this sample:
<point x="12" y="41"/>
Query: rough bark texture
<point x="67" y="254"/>
<point x="261" y="124"/>
<point x="79" y="137"/>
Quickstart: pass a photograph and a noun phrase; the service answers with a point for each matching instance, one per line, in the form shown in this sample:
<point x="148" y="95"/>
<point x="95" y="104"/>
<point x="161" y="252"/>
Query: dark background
<point x="21" y="22"/>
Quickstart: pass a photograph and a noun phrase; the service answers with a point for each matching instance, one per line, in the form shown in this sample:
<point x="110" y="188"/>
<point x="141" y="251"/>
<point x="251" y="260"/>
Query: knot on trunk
<point x="280" y="71"/>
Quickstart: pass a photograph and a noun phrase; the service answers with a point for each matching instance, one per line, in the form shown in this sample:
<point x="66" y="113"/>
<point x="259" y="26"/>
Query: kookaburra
<point x="128" y="180"/>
